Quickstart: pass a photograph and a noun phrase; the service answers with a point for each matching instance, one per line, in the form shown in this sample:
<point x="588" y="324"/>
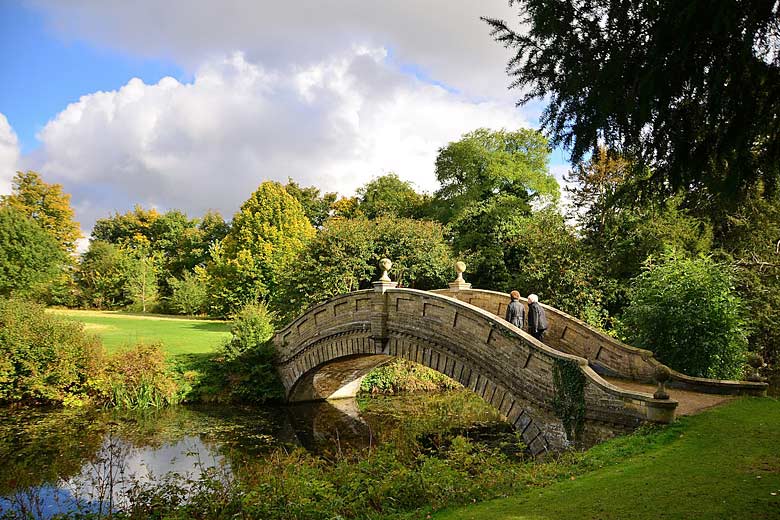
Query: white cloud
<point x="207" y="144"/>
<point x="9" y="155"/>
<point x="443" y="39"/>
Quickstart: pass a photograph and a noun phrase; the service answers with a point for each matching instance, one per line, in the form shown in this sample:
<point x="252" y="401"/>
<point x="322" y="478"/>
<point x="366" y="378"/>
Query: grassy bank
<point x="178" y="336"/>
<point x="724" y="463"/>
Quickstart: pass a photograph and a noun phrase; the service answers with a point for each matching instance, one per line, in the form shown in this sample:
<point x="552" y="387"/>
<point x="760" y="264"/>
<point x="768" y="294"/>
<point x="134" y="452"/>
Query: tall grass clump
<point x="139" y="378"/>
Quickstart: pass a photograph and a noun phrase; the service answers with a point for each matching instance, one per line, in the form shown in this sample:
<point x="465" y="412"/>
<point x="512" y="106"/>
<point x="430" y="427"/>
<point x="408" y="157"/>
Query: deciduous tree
<point x="30" y="257"/>
<point x="47" y="204"/>
<point x="102" y="276"/>
<point x="189" y="294"/>
<point x="486" y="164"/>
<point x="317" y="207"/>
<point x="344" y="255"/>
<point x="142" y="280"/>
<point x="266" y="235"/>
<point x="388" y="195"/>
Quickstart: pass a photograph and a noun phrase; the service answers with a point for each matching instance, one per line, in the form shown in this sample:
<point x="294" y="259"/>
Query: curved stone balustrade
<point x="324" y="354"/>
<point x="605" y="354"/>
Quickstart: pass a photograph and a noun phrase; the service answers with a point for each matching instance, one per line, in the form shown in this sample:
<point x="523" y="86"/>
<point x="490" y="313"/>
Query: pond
<point x="55" y="461"/>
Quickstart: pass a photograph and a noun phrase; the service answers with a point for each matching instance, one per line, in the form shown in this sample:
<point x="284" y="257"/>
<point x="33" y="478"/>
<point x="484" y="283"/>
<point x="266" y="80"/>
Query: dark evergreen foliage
<point x="691" y="90"/>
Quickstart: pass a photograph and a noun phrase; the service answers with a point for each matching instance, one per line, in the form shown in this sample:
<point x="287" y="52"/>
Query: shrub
<point x="244" y="372"/>
<point x="252" y="327"/>
<point x="686" y="312"/>
<point x="405" y="376"/>
<point x="42" y="357"/>
<point x="250" y="355"/>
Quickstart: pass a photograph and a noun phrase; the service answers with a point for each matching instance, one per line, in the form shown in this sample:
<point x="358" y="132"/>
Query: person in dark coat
<point x="537" y="319"/>
<point x="515" y="312"/>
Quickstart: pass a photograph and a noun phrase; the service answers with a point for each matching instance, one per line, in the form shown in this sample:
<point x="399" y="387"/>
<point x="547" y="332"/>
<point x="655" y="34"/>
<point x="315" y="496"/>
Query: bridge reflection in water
<point x="339" y="425"/>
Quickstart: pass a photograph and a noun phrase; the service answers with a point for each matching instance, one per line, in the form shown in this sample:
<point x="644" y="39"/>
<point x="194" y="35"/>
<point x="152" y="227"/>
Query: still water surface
<point x="53" y="461"/>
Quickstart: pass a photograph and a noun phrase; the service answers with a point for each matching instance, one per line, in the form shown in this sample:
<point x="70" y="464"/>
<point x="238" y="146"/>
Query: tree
<point x="179" y="242"/>
<point x="213" y="228"/>
<point x="102" y="276"/>
<point x="534" y="252"/>
<point x="485" y="164"/>
<point x="488" y="181"/>
<point x="267" y="234"/>
<point x="189" y="294"/>
<point x="691" y="91"/>
<point x="481" y="233"/>
<point x="316" y="206"/>
<point x="347" y="207"/>
<point x="594" y="186"/>
<point x="546" y="257"/>
<point x="749" y="239"/>
<point x="47" y="205"/>
<point x="686" y="312"/>
<point x="30" y="257"/>
<point x="388" y="195"/>
<point x="132" y="229"/>
<point x="621" y="231"/>
<point x="344" y="255"/>
<point x="142" y="280"/>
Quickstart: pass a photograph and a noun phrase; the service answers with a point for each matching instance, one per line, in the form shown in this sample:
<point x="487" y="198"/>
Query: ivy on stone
<point x="569" y="397"/>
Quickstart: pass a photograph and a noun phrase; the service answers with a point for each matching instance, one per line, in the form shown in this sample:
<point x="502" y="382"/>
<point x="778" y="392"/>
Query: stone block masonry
<point x="605" y="354"/>
<point x="324" y="354"/>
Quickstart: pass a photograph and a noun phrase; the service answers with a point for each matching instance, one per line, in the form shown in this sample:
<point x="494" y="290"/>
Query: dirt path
<point x="690" y="402"/>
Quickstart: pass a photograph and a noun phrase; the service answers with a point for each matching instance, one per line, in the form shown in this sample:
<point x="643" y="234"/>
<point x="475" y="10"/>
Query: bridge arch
<point x="324" y="354"/>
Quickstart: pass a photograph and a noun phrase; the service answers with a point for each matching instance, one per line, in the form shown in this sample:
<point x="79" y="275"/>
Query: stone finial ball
<point x="385" y="264"/>
<point x="755" y="360"/>
<point x="661" y="373"/>
<point x="460" y="267"/>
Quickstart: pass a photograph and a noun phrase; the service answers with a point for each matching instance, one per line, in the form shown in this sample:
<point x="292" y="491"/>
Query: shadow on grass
<point x="178" y="317"/>
<point x="208" y="326"/>
<point x="204" y="362"/>
<point x="249" y="378"/>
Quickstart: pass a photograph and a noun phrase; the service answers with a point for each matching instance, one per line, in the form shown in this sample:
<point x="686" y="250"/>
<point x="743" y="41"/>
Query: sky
<point x="191" y="104"/>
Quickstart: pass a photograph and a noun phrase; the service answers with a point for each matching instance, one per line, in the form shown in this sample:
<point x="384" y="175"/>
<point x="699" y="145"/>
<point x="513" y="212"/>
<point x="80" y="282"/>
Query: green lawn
<point x="724" y="463"/>
<point x="178" y="335"/>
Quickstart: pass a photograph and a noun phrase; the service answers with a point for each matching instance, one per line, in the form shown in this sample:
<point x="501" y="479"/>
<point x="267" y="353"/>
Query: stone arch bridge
<point x="460" y="332"/>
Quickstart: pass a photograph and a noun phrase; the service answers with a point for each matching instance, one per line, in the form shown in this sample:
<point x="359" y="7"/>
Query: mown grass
<point x="179" y="336"/>
<point x="724" y="463"/>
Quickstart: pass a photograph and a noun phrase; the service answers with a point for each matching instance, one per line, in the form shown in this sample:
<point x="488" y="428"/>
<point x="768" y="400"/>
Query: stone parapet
<point x="605" y="354"/>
